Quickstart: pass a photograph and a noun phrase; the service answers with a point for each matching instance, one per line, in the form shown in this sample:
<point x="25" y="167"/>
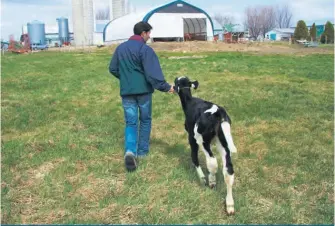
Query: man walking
<point x="137" y="67"/>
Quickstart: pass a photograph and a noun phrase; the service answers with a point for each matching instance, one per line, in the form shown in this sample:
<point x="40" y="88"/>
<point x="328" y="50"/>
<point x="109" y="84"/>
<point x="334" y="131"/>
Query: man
<point x="137" y="67"/>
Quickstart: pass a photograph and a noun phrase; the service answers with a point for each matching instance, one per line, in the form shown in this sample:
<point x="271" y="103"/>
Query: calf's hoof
<point x="230" y="210"/>
<point x="212" y="186"/>
<point x="211" y="181"/>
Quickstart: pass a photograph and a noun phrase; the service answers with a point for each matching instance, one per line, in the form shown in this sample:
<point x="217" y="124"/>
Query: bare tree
<point x="260" y="20"/>
<point x="102" y="14"/>
<point x="253" y="21"/>
<point x="283" y="16"/>
<point x="223" y="20"/>
<point x="267" y="19"/>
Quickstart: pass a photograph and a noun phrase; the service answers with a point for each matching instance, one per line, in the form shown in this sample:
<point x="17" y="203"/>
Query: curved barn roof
<point x="148" y="15"/>
<point x="122" y="27"/>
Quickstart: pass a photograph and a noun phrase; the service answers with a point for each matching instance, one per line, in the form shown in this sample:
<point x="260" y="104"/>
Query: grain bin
<point x="63" y="29"/>
<point x="36" y="31"/>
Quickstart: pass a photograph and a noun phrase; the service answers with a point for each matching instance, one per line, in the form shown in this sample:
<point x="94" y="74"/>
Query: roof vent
<point x="179" y="5"/>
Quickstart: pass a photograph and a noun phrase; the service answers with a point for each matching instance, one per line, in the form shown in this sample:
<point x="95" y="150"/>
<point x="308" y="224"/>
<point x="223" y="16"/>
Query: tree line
<point x="259" y="20"/>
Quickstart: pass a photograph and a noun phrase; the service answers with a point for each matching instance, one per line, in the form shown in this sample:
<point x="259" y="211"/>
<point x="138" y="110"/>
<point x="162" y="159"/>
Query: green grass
<point x="327" y="46"/>
<point x="62" y="142"/>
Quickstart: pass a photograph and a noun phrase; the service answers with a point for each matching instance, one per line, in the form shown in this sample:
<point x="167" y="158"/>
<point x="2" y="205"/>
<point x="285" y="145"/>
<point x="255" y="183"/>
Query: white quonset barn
<point x="171" y="22"/>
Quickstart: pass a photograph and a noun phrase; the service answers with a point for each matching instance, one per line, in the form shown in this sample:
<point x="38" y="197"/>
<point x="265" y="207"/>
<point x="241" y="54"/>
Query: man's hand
<point x="171" y="89"/>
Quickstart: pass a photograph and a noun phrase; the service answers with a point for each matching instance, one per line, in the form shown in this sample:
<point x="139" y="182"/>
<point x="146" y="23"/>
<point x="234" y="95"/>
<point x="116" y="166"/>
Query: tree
<point x="328" y="35"/>
<point x="301" y="31"/>
<point x="253" y="21"/>
<point x="268" y="19"/>
<point x="260" y="20"/>
<point x="226" y="22"/>
<point x="312" y="32"/>
<point x="283" y="16"/>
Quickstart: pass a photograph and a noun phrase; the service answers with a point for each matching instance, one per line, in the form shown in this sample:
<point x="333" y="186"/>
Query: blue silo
<point x="63" y="29"/>
<point x="36" y="32"/>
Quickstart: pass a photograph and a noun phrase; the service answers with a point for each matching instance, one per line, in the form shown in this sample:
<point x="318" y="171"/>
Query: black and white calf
<point x="206" y="122"/>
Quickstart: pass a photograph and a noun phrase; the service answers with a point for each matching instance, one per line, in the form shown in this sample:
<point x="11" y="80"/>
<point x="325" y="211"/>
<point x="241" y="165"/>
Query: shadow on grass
<point x="185" y="160"/>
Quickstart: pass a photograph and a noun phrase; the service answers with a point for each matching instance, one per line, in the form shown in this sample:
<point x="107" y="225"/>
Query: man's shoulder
<point x="147" y="49"/>
<point x="121" y="45"/>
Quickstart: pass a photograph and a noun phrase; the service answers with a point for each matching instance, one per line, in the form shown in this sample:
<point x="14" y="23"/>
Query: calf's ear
<point x="195" y="84"/>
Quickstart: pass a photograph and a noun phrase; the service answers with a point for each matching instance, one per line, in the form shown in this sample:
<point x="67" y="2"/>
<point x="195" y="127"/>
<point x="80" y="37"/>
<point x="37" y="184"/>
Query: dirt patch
<point x="187" y="57"/>
<point x="44" y="169"/>
<point x="106" y="215"/>
<point x="198" y="46"/>
<point x="26" y="202"/>
<point x="51" y="217"/>
<point x="205" y="46"/>
<point x="94" y="190"/>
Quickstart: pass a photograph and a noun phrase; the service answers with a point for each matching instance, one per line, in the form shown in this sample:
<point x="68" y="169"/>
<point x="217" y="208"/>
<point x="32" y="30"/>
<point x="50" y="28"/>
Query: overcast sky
<point x="15" y="13"/>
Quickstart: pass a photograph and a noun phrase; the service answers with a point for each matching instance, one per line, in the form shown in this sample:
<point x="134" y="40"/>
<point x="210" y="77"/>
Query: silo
<point x="127" y="7"/>
<point x="63" y="29"/>
<point x="83" y="22"/>
<point x="78" y="26"/>
<point x="88" y="21"/>
<point x="36" y="32"/>
<point x="119" y="7"/>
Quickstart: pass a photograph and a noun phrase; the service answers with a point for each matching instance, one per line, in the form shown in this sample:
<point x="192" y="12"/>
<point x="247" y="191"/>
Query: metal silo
<point x="36" y="32"/>
<point x="63" y="29"/>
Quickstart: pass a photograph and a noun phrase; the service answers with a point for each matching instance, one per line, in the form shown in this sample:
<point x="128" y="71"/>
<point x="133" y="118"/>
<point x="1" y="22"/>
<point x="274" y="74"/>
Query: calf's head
<point x="182" y="83"/>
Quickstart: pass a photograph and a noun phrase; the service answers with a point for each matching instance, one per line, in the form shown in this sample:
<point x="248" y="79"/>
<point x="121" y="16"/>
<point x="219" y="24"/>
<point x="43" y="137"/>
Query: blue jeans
<point x="137" y="137"/>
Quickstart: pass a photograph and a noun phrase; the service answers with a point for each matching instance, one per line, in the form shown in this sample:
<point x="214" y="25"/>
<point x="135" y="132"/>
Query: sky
<point x="15" y="13"/>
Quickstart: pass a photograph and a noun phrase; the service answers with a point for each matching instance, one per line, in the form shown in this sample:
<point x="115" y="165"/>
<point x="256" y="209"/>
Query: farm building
<point x="279" y="34"/>
<point x="174" y="21"/>
<point x="217" y="30"/>
<point x="52" y="33"/>
<point x="235" y="33"/>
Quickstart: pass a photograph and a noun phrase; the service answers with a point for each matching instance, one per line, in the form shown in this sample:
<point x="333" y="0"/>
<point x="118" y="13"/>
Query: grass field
<point x="62" y="142"/>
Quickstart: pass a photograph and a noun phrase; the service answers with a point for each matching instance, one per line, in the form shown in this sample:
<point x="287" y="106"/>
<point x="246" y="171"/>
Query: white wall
<point x="172" y="24"/>
<point x="279" y="34"/>
<point x="164" y="25"/>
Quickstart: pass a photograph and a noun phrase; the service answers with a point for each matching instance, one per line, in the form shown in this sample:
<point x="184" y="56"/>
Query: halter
<point x="177" y="88"/>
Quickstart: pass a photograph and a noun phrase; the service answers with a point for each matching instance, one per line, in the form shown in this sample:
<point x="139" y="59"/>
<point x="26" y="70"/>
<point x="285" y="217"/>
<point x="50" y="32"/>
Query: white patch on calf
<point x="200" y="173"/>
<point x="222" y="151"/>
<point x="197" y="136"/>
<point x="181" y="77"/>
<point x="229" y="179"/>
<point x="213" y="109"/>
<point x="212" y="164"/>
<point x="226" y="131"/>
